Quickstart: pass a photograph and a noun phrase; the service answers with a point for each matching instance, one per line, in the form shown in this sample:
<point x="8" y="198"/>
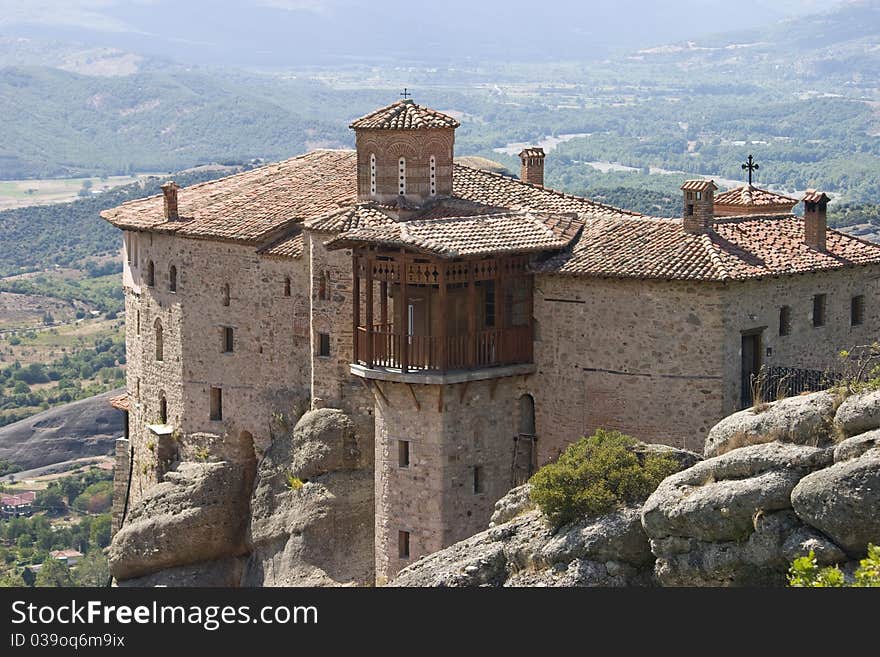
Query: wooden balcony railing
<point x="382" y="347"/>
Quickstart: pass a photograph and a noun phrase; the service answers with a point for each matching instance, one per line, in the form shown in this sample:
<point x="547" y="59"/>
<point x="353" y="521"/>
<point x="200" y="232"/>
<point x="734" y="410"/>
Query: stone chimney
<point x="699" y="205"/>
<point x="532" y="167"/>
<point x="815" y="218"/>
<point x="169" y="191"/>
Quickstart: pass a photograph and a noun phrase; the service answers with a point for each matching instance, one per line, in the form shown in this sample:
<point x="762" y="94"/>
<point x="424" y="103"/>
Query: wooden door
<point x="751" y="366"/>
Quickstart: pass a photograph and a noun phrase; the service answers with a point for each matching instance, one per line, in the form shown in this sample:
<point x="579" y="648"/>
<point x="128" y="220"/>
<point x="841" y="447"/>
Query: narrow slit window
<point x="403" y="453"/>
<point x="228" y="339"/>
<point x="216" y="404"/>
<point x="785" y="320"/>
<point x="819" y="310"/>
<point x="226" y="294"/>
<point x="479" y="484"/>
<point x="160" y="341"/>
<point x="324" y="344"/>
<point x="172" y="279"/>
<point x="857" y="310"/>
<point x="163" y="409"/>
<point x="403" y="544"/>
<point x="151" y="274"/>
<point x="287" y="286"/>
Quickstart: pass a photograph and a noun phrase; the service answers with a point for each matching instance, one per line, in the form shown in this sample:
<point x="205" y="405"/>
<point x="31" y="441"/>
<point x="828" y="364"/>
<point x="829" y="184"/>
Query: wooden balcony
<point x="383" y="347"/>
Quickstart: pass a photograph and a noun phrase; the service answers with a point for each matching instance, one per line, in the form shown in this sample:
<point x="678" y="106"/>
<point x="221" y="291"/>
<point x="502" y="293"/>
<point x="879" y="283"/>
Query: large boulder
<point x="843" y="501"/>
<point x="312" y="508"/>
<point x="802" y="420"/>
<point x="859" y="413"/>
<point x="854" y="447"/>
<point x="608" y="551"/>
<point x="197" y="513"/>
<point x="517" y="501"/>
<point x="225" y="573"/>
<point x="718" y="499"/>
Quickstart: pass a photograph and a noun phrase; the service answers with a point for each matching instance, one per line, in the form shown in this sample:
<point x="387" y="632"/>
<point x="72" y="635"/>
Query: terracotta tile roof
<point x="737" y="248"/>
<point x="699" y="185"/>
<point x="453" y="237"/>
<point x="812" y="196"/>
<point x="250" y="205"/>
<point x="121" y="402"/>
<point x="22" y="499"/>
<point x="357" y="216"/>
<point x="749" y="196"/>
<point x="289" y="245"/>
<point x="532" y="152"/>
<point x="404" y="115"/>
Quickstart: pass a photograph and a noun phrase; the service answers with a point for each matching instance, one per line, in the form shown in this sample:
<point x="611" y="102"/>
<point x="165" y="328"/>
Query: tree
<point x="50" y="499"/>
<point x="99" y="534"/>
<point x="92" y="570"/>
<point x="54" y="573"/>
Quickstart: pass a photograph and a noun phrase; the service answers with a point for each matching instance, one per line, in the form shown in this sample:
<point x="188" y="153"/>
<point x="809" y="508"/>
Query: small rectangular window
<point x="479" y="486"/>
<point x="403" y="544"/>
<point x="403" y="453"/>
<point x="784" y="320"/>
<point x="323" y="344"/>
<point x="857" y="310"/>
<point x="216" y="404"/>
<point x="690" y="209"/>
<point x="819" y="310"/>
<point x="228" y="339"/>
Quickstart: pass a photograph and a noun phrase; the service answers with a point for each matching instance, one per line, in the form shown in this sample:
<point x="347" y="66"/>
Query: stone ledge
<point x="436" y="378"/>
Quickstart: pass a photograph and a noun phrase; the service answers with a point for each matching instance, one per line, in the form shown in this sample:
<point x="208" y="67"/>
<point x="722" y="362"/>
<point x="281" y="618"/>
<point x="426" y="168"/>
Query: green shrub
<point x="596" y="475"/>
<point x="294" y="483"/>
<point x="806" y="573"/>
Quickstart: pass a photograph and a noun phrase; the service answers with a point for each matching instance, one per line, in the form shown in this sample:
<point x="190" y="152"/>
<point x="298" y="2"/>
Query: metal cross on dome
<point x="751" y="165"/>
<point x="406" y="94"/>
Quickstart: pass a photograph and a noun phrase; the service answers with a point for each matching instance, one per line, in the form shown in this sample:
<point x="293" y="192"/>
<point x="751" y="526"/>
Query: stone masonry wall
<point x="755" y="305"/>
<point x="434" y="497"/>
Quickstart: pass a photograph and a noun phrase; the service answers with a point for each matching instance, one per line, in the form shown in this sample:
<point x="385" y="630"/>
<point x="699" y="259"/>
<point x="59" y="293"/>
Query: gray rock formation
<point x="843" y="501"/>
<point x="198" y="513"/>
<point x="802" y="420"/>
<point x="320" y="534"/>
<point x="854" y="447"/>
<point x="88" y="427"/>
<point x="223" y="573"/>
<point x="517" y="501"/>
<point x="859" y="413"/>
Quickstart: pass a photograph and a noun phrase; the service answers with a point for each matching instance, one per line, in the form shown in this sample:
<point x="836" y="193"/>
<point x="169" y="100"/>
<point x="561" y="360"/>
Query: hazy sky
<point x="283" y="32"/>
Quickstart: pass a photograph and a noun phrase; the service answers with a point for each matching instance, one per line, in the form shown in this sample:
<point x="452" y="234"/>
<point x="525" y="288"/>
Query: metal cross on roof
<point x="406" y="94"/>
<point x="751" y="165"/>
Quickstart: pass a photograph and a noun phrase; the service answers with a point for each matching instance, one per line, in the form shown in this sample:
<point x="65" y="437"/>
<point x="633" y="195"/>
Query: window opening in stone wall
<point x="479" y="485"/>
<point x="226" y="294"/>
<point x="172" y="279"/>
<point x="228" y="339"/>
<point x="216" y="404"/>
<point x="137" y="325"/>
<point x="857" y="310"/>
<point x="403" y="453"/>
<point x="433" y="176"/>
<point x="372" y="173"/>
<point x="403" y="544"/>
<point x="160" y="341"/>
<point x="323" y="344"/>
<point x="151" y="274"/>
<point x="819" y="310"/>
<point x="690" y="209"/>
<point x="163" y="409"/>
<point x="287" y="286"/>
<point x="785" y="320"/>
<point x="490" y="303"/>
<point x="401" y="170"/>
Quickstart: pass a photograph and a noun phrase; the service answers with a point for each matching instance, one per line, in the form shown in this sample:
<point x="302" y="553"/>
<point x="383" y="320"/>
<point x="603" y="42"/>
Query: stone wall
<point x="433" y="498"/>
<point x="641" y="357"/>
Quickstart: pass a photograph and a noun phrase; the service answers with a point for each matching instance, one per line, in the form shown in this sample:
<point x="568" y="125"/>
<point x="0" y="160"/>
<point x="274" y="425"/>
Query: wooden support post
<point x="368" y="307"/>
<point x="440" y="399"/>
<point x="444" y="316"/>
<point x="383" y="305"/>
<point x="492" y="386"/>
<point x="356" y="305"/>
<point x="472" y="315"/>
<point x="404" y="314"/>
<point x="415" y="399"/>
<point x="381" y="394"/>
<point x="463" y="392"/>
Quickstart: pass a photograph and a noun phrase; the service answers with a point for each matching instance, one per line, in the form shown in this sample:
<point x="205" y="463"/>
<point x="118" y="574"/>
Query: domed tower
<point x="404" y="151"/>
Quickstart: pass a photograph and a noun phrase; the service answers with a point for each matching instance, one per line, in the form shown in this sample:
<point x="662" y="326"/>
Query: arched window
<point x="433" y="176"/>
<point x="163" y="409"/>
<point x="226" y="294"/>
<point x="172" y="279"/>
<point x="160" y="344"/>
<point x="151" y="274"/>
<point x="527" y="415"/>
<point x="287" y="286"/>
<point x="372" y="173"/>
<point x="401" y="168"/>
